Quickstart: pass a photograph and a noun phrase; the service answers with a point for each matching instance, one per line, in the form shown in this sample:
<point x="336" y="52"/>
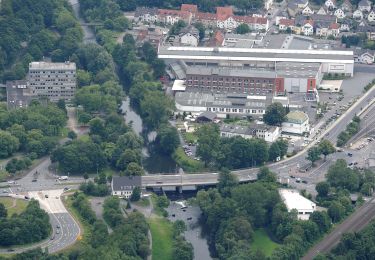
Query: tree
<point x="201" y="29"/>
<point x="72" y="135"/>
<point x="3" y="211"/>
<point x="266" y="175"/>
<point x="209" y="141"/>
<point x="326" y="148"/>
<point x="321" y="218"/>
<point x="336" y="211"/>
<point x="227" y="181"/>
<point x="275" y="114"/>
<point x="340" y="176"/>
<point x="8" y="144"/>
<point x="274" y="152"/>
<point x="322" y="188"/>
<point x="313" y="154"/>
<point x="136" y="194"/>
<point x="61" y="105"/>
<point x="167" y="139"/>
<point x="178" y="228"/>
<point x="133" y="169"/>
<point x="243" y="28"/>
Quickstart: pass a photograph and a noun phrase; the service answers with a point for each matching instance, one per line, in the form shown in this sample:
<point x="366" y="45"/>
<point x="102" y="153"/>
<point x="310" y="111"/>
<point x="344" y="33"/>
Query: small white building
<point x="268" y="4"/>
<point x="307" y="10"/>
<point x="268" y="133"/>
<point x="294" y="201"/>
<point x="371" y="16"/>
<point x="123" y="186"/>
<point x="358" y="15"/>
<point x="308" y="28"/>
<point x="339" y="13"/>
<point x="366" y="58"/>
<point x="331" y="4"/>
<point x="297" y="123"/>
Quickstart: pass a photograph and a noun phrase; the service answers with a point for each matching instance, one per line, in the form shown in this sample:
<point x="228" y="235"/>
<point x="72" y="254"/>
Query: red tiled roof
<point x="334" y="26"/>
<point x="206" y="16"/>
<point x="166" y="12"/>
<point x="286" y="22"/>
<point x="222" y="13"/>
<point x="189" y="8"/>
<point x="251" y="19"/>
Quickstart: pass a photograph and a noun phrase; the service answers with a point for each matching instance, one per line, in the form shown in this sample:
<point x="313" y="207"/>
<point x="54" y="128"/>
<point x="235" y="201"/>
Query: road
<point x="354" y="223"/>
<point x="282" y="168"/>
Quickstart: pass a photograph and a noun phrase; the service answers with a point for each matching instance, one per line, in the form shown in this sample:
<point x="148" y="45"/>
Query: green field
<point x="263" y="243"/>
<point x="161" y="231"/>
<point x="19" y="207"/>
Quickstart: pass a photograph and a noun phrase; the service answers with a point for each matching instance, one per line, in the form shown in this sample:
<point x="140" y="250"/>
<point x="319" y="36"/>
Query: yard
<point x="13" y="205"/>
<point x="263" y="243"/>
<point x="161" y="231"/>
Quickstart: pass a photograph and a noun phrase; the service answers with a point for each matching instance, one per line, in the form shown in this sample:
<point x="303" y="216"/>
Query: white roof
<point x="293" y="200"/>
<point x="179" y="85"/>
<point x="52" y="65"/>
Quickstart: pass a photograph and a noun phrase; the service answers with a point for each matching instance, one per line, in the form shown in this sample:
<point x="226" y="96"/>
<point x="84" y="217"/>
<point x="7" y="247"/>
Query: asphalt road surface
<point x="354" y="223"/>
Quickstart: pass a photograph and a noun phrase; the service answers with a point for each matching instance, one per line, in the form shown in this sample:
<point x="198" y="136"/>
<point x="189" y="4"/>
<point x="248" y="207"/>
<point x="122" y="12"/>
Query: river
<point x="89" y="35"/>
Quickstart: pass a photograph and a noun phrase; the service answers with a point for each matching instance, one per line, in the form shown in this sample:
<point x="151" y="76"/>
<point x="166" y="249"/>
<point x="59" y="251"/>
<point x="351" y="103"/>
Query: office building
<point x="53" y="80"/>
<point x="19" y="94"/>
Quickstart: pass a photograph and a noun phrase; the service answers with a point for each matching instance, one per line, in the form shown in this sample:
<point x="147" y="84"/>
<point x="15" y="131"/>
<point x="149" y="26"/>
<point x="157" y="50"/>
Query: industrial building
<point x="19" y="94"/>
<point x="331" y="61"/>
<point x="294" y="201"/>
<point x="53" y="80"/>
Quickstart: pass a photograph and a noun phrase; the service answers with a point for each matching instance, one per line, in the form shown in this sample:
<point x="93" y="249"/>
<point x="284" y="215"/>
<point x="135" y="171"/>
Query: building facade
<point x="54" y="81"/>
<point x="294" y="201"/>
<point x="123" y="186"/>
<point x="296" y="123"/>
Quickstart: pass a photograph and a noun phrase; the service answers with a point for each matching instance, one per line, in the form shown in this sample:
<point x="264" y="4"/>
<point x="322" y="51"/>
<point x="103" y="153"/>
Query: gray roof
<point x="297" y="69"/>
<point x="364" y="3"/>
<point x="19" y="94"/>
<point x="247" y="36"/>
<point x="322" y="17"/>
<point x="236" y="129"/>
<point x="229" y="72"/>
<point x="199" y="53"/>
<point x="140" y="11"/>
<point x="126" y="182"/>
<point x="207" y="114"/>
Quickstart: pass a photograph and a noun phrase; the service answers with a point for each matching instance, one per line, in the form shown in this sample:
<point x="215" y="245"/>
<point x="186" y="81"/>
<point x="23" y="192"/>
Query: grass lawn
<point x="8" y="203"/>
<point x="161" y="231"/>
<point x="190" y="137"/>
<point x="144" y="202"/>
<point x="263" y="242"/>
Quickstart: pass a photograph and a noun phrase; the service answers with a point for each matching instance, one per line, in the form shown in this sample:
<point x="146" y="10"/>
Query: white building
<point x="53" y="80"/>
<point x="366" y="58"/>
<point x="358" y="15"/>
<point x="294" y="201"/>
<point x="308" y="28"/>
<point x="268" y="133"/>
<point x="296" y="123"/>
<point x="123" y="186"/>
<point x="331" y="4"/>
<point x="339" y="13"/>
<point x="371" y="16"/>
<point x="268" y="4"/>
<point x="307" y="10"/>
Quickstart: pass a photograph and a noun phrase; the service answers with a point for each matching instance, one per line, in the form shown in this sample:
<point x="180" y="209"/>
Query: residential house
<point x="255" y="23"/>
<point x="236" y="130"/>
<point x="168" y="16"/>
<point x="295" y="6"/>
<point x="347" y="6"/>
<point x="339" y="13"/>
<point x="366" y="58"/>
<point x="193" y="9"/>
<point x="150" y="34"/>
<point x="146" y="14"/>
<point x="206" y="117"/>
<point x="217" y="40"/>
<point x="123" y="186"/>
<point x="358" y="15"/>
<point x="330" y="4"/>
<point x="267" y="133"/>
<point x="364" y="6"/>
<point x="268" y="4"/>
<point x="278" y="18"/>
<point x="307" y="10"/>
<point x="371" y="16"/>
<point x="284" y="24"/>
<point x="189" y="36"/>
<point x="321" y="28"/>
<point x="326" y="18"/>
<point x="296" y="123"/>
<point x="334" y="30"/>
<point x="323" y="10"/>
<point x="344" y="27"/>
<point x="369" y="30"/>
<point x="308" y="28"/>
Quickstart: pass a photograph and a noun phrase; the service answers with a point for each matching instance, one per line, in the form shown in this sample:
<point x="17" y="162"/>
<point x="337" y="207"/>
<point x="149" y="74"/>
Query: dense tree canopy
<point x="275" y="114"/>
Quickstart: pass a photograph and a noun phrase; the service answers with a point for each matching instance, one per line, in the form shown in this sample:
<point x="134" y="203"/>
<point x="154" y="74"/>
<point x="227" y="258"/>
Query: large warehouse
<point x="340" y="62"/>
